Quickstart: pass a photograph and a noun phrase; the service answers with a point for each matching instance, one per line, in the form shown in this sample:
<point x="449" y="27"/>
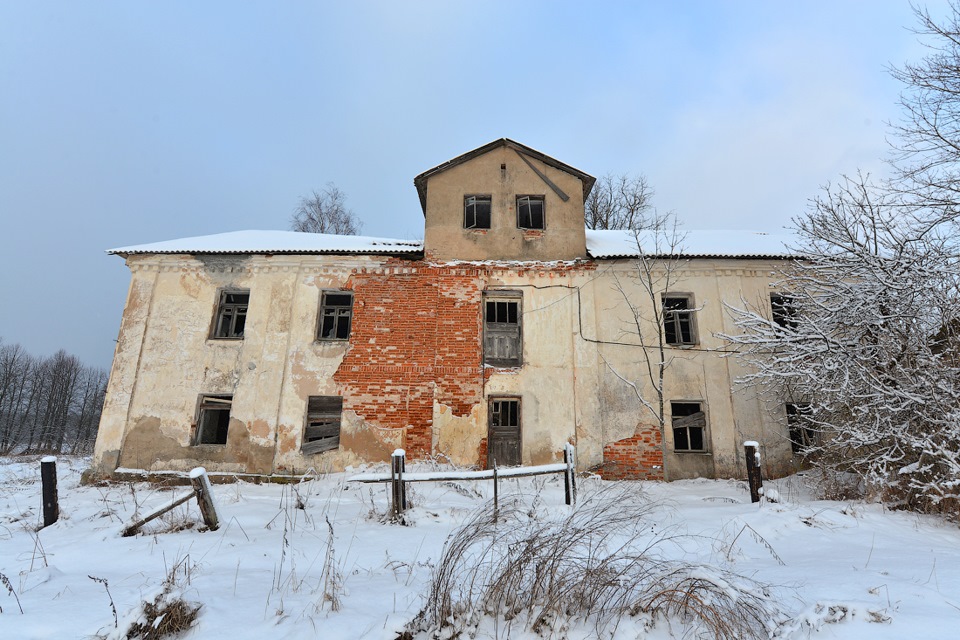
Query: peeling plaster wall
<point x="412" y="373"/>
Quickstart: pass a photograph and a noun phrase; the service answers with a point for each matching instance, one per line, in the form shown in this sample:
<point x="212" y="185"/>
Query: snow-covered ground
<point x="839" y="570"/>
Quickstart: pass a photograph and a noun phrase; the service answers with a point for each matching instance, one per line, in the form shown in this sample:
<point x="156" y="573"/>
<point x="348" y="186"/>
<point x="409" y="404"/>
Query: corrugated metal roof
<point x="273" y="242"/>
<point x="690" y="244"/>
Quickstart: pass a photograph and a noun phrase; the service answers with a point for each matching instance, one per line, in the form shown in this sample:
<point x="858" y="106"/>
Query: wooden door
<point x="503" y="436"/>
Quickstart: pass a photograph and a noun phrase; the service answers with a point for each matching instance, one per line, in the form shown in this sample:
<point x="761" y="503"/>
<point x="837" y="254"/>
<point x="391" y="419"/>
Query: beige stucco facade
<point x="412" y="373"/>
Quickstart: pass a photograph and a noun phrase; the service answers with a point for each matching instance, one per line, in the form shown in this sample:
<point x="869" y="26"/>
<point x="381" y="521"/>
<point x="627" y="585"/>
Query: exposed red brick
<point x="639" y="457"/>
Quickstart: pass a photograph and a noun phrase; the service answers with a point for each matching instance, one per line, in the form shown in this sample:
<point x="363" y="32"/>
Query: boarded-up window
<point x="530" y="212"/>
<point x="213" y="419"/>
<point x="678" y="325"/>
<point x="322" y="431"/>
<point x="502" y="343"/>
<point x="231" y="318"/>
<point x="689" y="426"/>
<point x="336" y="311"/>
<point x="476" y="212"/>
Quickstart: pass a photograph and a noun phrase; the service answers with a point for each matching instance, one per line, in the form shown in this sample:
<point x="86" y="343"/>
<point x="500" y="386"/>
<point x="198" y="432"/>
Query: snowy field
<point x="834" y="569"/>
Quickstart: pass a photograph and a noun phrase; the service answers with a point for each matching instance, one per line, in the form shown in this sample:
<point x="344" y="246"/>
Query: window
<point x="322" y="431"/>
<point x="802" y="433"/>
<point x="530" y="212"/>
<point x="231" y="314"/>
<point x="678" y="326"/>
<point x="502" y="343"/>
<point x="783" y="310"/>
<point x="213" y="419"/>
<point x="689" y="426"/>
<point x="476" y="212"/>
<point x="336" y="309"/>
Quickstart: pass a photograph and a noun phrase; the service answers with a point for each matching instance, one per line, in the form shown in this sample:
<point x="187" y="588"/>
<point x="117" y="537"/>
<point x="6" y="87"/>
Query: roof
<point x="271" y="242"/>
<point x="600" y="244"/>
<point x="704" y="243"/>
<point x="421" y="180"/>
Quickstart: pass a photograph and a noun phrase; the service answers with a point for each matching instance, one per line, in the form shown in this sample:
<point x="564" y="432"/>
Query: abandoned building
<point x="508" y="332"/>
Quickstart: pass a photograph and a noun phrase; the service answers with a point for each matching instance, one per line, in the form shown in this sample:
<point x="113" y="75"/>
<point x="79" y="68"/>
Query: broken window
<point x="336" y="309"/>
<point x="802" y="433"/>
<point x="530" y="212"/>
<point x="476" y="212"/>
<point x="322" y="431"/>
<point x="678" y="326"/>
<point x="231" y="314"/>
<point x="783" y="310"/>
<point x="689" y="424"/>
<point x="213" y="419"/>
<point x="502" y="344"/>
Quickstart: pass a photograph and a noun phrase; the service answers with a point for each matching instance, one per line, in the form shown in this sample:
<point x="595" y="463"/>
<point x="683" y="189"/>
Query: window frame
<point x="338" y="315"/>
<point x="329" y="420"/>
<point x="207" y="403"/>
<point x="477" y="199"/>
<point x="783" y="311"/>
<point x="675" y="317"/>
<point x="235" y="310"/>
<point x="800" y="436"/>
<point x="501" y="328"/>
<point x="543" y="212"/>
<point x="704" y="432"/>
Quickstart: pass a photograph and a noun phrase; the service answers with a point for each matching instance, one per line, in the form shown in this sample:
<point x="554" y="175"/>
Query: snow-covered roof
<point x="692" y="244"/>
<point x="276" y="242"/>
<point x="600" y="244"/>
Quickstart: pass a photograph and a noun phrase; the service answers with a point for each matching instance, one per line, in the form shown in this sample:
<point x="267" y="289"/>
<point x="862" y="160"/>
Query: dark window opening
<point x="530" y="212"/>
<point x="322" y="431"/>
<point x="678" y="325"/>
<point x="689" y="426"/>
<point x="502" y="342"/>
<point x="783" y="310"/>
<point x="231" y="314"/>
<point x="336" y="310"/>
<point x="476" y="212"/>
<point x="213" y="420"/>
<point x="802" y="433"/>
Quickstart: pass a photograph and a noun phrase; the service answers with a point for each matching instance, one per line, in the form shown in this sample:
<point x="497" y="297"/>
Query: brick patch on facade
<point x="639" y="457"/>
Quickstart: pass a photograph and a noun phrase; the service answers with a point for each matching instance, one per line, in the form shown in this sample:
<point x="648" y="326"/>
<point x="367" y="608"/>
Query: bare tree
<point x="619" y="202"/>
<point x="871" y="346"/>
<point x="655" y="272"/>
<point x="325" y="211"/>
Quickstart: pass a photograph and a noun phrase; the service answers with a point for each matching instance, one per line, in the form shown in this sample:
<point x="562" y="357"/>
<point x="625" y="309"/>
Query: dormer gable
<point x="504" y="201"/>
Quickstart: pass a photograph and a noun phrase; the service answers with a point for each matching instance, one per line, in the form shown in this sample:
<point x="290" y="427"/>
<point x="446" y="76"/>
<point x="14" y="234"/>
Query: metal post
<point x="397" y="489"/>
<point x="569" y="474"/>
<point x="48" y="480"/>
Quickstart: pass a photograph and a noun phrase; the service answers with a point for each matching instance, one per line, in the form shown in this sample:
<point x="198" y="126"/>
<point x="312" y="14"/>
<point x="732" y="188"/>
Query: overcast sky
<point x="131" y="122"/>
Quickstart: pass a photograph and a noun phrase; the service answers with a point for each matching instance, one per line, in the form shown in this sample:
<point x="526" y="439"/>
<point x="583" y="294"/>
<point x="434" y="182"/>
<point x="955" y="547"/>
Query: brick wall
<point x="639" y="457"/>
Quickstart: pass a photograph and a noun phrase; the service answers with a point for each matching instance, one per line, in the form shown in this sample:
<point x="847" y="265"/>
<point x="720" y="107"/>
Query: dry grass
<point x="602" y="561"/>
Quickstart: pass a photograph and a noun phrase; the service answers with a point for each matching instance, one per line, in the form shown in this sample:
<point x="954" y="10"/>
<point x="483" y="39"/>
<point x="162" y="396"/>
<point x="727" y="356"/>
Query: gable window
<point x="502" y="342"/>
<point x="322" y="431"/>
<point x="336" y="311"/>
<point x="678" y="325"/>
<point x="476" y="212"/>
<point x="530" y="212"/>
<point x="689" y="424"/>
<point x="231" y="315"/>
<point x="213" y="419"/>
<point x="783" y="310"/>
<point x="802" y="434"/>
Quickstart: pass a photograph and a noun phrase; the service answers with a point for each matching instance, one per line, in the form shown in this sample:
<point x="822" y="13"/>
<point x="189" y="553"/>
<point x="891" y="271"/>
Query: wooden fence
<point x="398" y="477"/>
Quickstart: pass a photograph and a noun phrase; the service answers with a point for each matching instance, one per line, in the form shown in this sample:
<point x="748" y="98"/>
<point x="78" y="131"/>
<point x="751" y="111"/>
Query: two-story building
<point x="508" y="332"/>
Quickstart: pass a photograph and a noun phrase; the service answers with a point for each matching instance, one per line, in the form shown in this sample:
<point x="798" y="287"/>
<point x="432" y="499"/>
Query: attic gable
<point x="524" y="152"/>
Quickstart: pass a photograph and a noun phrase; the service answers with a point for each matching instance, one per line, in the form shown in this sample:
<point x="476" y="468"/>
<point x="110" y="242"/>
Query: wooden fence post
<point x="570" y="474"/>
<point x="754" y="478"/>
<point x="48" y="480"/>
<point x="496" y="490"/>
<point x="398" y="490"/>
<point x="208" y="508"/>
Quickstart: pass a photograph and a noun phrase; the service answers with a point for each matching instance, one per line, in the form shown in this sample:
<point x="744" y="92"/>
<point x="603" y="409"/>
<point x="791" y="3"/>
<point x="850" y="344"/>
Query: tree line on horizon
<point x="48" y="404"/>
